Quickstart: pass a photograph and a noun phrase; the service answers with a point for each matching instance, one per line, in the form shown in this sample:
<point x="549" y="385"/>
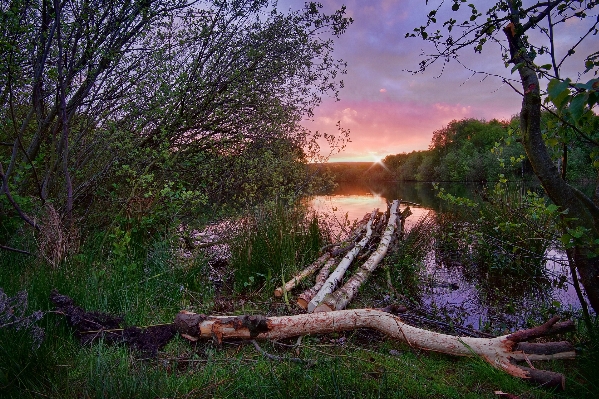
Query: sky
<point x="390" y="110"/>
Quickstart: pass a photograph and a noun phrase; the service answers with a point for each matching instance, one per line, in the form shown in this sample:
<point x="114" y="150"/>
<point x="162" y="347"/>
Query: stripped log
<point x="340" y="298"/>
<point x="500" y="352"/>
<point x="337" y="275"/>
<point x="305" y="297"/>
<point x="317" y="264"/>
<point x="333" y="251"/>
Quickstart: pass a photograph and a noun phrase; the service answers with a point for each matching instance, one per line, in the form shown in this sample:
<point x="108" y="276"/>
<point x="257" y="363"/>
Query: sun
<point x="377" y="159"/>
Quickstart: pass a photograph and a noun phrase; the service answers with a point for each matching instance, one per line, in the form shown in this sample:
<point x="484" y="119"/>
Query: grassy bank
<point x="149" y="282"/>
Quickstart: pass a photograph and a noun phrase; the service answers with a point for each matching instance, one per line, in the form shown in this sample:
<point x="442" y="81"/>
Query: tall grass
<point x="275" y="242"/>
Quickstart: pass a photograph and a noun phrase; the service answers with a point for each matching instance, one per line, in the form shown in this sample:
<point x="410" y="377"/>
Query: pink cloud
<point x="382" y="128"/>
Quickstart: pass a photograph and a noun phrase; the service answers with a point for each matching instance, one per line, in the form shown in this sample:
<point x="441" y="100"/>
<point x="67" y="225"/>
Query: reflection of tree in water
<point x="504" y="288"/>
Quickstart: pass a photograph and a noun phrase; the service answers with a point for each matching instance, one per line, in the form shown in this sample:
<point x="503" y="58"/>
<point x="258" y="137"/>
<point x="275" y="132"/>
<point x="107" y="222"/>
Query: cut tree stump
<point x="500" y="352"/>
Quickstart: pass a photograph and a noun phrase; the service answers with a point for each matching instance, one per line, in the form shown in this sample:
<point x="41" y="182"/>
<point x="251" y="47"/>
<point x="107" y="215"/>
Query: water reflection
<point x="466" y="296"/>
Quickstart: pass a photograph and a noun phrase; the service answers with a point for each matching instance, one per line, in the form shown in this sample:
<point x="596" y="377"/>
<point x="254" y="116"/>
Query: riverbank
<point x="148" y="284"/>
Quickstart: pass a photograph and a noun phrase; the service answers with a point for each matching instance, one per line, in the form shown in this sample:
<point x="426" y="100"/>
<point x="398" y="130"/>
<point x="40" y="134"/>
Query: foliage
<point x="508" y="230"/>
<point x="139" y="114"/>
<point x="460" y="151"/>
<point x="531" y="31"/>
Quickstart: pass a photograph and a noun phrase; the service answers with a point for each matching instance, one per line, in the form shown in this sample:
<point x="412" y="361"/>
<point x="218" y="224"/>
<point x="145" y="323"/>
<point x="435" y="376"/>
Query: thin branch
<point x="20" y="251"/>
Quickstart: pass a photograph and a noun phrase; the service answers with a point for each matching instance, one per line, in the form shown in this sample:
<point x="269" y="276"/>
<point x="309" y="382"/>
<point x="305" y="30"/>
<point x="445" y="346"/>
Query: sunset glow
<point x="390" y="110"/>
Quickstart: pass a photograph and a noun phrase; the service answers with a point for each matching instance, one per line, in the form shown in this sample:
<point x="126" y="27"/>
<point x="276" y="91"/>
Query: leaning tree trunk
<point x="581" y="212"/>
<point x="500" y="352"/>
<point x="337" y="275"/>
<point x="340" y="298"/>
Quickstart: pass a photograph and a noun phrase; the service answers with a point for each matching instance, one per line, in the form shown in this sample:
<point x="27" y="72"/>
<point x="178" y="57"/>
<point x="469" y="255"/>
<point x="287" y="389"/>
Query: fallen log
<point x="335" y="277"/>
<point x="317" y="264"/>
<point x="340" y="298"/>
<point x="305" y="297"/>
<point x="500" y="352"/>
<point x="333" y="250"/>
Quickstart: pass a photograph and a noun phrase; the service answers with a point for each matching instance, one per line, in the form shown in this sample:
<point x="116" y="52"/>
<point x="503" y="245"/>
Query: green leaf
<point x="455" y="7"/>
<point x="577" y="105"/>
<point x="546" y="66"/>
<point x="556" y="87"/>
<point x="516" y="67"/>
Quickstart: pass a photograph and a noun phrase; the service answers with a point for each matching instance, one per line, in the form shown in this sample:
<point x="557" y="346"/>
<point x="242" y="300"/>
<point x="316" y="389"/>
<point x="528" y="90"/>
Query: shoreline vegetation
<point x="129" y="129"/>
<point x="468" y="150"/>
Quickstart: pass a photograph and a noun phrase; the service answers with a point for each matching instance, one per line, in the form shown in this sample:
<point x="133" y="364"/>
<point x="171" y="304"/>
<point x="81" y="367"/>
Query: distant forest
<point x="468" y="150"/>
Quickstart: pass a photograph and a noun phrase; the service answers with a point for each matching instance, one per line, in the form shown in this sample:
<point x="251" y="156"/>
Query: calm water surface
<point x="449" y="291"/>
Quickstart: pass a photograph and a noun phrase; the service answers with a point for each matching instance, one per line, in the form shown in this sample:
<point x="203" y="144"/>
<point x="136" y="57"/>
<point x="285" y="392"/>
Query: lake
<point x="449" y="291"/>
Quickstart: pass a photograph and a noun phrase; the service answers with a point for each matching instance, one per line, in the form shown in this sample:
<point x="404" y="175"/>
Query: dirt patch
<point x="92" y="326"/>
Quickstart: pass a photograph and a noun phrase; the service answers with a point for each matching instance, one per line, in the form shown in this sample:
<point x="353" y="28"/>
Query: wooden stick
<point x="339" y="299"/>
<point x="305" y="297"/>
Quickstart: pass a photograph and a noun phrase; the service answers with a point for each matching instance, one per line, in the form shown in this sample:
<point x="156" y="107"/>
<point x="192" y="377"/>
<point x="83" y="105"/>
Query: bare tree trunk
<point x="337" y="275"/>
<point x="339" y="299"/>
<point x="500" y="352"/>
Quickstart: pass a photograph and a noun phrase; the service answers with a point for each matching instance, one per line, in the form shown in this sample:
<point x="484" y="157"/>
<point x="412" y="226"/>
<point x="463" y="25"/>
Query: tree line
<point x="472" y="150"/>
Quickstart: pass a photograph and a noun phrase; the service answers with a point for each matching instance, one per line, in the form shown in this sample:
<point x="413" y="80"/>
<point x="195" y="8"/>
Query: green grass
<point x="148" y="284"/>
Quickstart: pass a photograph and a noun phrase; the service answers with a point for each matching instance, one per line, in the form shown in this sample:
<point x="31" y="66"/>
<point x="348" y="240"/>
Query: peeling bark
<point x="333" y="250"/>
<point x="337" y="275"/>
<point x="500" y="352"/>
<point x="305" y="297"/>
<point x="340" y="298"/>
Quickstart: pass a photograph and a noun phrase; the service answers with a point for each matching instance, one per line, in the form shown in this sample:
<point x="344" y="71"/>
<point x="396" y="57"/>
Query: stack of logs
<point x="323" y="297"/>
<point x="325" y="314"/>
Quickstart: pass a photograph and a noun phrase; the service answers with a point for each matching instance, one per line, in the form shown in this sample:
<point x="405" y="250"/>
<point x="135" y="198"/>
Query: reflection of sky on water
<point x="503" y="303"/>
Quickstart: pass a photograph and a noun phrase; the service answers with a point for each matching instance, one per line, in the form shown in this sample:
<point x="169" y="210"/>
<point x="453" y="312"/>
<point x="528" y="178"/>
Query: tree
<point x="517" y="28"/>
<point x="149" y="100"/>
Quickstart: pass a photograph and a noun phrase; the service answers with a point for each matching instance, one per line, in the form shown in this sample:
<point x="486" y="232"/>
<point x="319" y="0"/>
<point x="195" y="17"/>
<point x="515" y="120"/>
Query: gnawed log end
<point x="188" y="324"/>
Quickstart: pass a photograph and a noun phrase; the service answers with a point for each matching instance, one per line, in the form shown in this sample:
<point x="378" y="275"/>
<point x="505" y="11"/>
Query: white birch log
<point x="340" y="298"/>
<point x="317" y="264"/>
<point x="305" y="297"/>
<point x="500" y="352"/>
<point x="337" y="275"/>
